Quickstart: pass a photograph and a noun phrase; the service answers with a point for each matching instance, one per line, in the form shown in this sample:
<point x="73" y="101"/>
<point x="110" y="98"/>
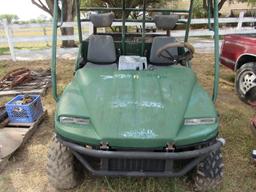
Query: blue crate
<point x="29" y="113"/>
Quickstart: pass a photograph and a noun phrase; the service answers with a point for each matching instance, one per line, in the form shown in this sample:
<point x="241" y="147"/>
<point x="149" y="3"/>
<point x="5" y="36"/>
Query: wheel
<point x="209" y="172"/>
<point x="246" y="82"/>
<point x="62" y="167"/>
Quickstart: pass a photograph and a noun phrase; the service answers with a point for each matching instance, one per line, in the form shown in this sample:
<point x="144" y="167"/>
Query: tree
<point x="220" y="5"/>
<point x="69" y="10"/>
<point x="201" y="6"/>
<point x="198" y="9"/>
<point x="118" y="3"/>
<point x="40" y="19"/>
<point x="9" y="17"/>
<point x="222" y="2"/>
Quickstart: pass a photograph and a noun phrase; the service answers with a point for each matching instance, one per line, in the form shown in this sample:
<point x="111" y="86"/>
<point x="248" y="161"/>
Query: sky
<point x="23" y="8"/>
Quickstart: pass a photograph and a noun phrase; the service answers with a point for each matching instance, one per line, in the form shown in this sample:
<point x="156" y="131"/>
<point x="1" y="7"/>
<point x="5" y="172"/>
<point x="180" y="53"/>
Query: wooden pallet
<point x="37" y="86"/>
<point x="13" y="136"/>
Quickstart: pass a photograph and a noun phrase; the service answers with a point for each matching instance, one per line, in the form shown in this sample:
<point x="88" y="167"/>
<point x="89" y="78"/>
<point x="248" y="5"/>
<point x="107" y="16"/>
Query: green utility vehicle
<point x="134" y="106"/>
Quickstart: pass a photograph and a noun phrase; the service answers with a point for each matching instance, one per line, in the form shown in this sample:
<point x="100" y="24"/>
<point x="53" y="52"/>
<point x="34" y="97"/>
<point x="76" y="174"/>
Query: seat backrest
<point x="102" y="20"/>
<point x="159" y="42"/>
<point x="166" y="22"/>
<point x="101" y="49"/>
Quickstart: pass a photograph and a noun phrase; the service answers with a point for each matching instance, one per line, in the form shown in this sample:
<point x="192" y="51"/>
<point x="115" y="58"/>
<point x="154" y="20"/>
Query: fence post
<point x="240" y="20"/>
<point x="9" y="39"/>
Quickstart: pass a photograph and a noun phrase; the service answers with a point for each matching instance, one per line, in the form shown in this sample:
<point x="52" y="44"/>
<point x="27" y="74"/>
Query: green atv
<point x="134" y="106"/>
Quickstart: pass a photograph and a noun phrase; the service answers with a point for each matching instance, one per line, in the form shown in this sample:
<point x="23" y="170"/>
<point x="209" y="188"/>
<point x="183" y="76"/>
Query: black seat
<point x="101" y="50"/>
<point x="102" y="20"/>
<point x="165" y="22"/>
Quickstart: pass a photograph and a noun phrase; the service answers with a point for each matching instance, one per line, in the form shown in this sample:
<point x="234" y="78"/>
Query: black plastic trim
<point x="194" y="157"/>
<point x="180" y="147"/>
<point x="142" y="154"/>
<point x="186" y="169"/>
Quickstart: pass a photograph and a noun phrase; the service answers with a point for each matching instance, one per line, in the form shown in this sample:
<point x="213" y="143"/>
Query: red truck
<point x="238" y="53"/>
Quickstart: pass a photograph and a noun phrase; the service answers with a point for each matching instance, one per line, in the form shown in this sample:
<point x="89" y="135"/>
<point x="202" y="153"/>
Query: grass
<point x="24" y="46"/>
<point x="31" y="32"/>
<point x="4" y="50"/>
<point x="2" y="69"/>
<point x="26" y="170"/>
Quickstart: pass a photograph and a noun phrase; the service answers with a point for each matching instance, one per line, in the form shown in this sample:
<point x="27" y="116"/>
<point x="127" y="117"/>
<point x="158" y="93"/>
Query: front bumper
<point x="140" y="163"/>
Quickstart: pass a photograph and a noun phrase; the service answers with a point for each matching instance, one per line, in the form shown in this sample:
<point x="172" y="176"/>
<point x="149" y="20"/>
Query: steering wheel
<point x="175" y="59"/>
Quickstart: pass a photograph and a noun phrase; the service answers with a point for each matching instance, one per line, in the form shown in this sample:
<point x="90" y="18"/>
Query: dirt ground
<point x="26" y="170"/>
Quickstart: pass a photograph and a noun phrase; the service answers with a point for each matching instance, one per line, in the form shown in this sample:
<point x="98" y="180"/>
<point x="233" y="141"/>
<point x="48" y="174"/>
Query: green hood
<point x="134" y="104"/>
<point x="136" y="108"/>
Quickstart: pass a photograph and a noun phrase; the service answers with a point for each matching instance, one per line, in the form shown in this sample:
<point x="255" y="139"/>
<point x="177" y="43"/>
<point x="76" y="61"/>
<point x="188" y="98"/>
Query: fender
<point x="242" y="55"/>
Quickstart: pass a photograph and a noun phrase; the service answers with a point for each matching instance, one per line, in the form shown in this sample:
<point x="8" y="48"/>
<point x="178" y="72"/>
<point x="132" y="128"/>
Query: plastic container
<point x="27" y="113"/>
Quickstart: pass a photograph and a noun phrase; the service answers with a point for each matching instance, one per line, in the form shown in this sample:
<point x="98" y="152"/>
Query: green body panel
<point x="136" y="108"/>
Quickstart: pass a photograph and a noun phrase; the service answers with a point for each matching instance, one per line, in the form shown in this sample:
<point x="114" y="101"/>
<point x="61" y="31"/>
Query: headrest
<point x="102" y="20"/>
<point x="166" y="22"/>
<point x="101" y="49"/>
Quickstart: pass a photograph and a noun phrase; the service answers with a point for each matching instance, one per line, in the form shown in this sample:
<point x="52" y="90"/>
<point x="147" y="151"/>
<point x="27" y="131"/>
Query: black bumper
<point x="133" y="163"/>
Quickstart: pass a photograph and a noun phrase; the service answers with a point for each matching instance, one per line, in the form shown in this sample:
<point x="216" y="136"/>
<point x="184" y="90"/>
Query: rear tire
<point x="245" y="81"/>
<point x="208" y="174"/>
<point x="64" y="171"/>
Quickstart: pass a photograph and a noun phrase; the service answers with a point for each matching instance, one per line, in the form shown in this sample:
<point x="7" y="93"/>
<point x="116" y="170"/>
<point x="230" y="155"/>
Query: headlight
<point x="200" y="121"/>
<point x="74" y="120"/>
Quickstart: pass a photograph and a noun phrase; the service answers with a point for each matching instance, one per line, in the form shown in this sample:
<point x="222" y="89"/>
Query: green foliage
<point x="199" y="11"/>
<point x="40" y="19"/>
<point x="9" y="17"/>
<point x="118" y="3"/>
<point x="251" y="2"/>
<point x="3" y="50"/>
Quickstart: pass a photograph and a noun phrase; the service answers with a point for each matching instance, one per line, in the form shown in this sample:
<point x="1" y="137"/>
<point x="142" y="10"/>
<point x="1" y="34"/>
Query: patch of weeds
<point x="209" y="73"/>
<point x="129" y="184"/>
<point x="235" y="129"/>
<point x="229" y="77"/>
<point x="231" y="115"/>
<point x="4" y="100"/>
<point x="5" y="183"/>
<point x="2" y="69"/>
<point x="32" y="48"/>
<point x="4" y="51"/>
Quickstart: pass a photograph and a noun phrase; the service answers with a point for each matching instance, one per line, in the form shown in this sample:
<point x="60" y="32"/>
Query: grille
<point x="144" y="165"/>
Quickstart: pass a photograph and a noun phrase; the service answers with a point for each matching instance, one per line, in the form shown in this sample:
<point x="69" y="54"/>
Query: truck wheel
<point x="209" y="172"/>
<point x="62" y="167"/>
<point x="246" y="81"/>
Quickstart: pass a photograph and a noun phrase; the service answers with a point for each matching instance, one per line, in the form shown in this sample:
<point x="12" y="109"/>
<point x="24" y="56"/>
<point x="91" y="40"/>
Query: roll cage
<point x="124" y="34"/>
